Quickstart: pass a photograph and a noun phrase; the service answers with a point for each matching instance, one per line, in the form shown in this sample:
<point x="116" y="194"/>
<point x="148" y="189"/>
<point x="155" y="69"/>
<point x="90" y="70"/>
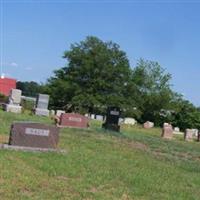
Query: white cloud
<point x="13" y="64"/>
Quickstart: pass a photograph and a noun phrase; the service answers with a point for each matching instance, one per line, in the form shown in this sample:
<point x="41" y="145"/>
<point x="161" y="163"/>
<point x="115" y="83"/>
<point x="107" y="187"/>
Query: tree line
<point x="98" y="74"/>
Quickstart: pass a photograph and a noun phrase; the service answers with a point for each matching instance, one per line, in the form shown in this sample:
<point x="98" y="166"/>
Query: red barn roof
<point x="6" y="84"/>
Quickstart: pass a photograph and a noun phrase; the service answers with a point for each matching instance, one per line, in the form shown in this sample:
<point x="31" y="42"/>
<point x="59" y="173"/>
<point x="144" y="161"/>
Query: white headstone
<point x="130" y="121"/>
<point x="15" y="97"/>
<point x="92" y="116"/>
<point x="99" y="117"/>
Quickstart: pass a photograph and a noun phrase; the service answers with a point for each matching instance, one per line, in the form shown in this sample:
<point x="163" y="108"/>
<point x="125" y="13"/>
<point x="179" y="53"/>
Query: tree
<point x="153" y="84"/>
<point x="97" y="75"/>
<point x="186" y="115"/>
<point x="30" y="89"/>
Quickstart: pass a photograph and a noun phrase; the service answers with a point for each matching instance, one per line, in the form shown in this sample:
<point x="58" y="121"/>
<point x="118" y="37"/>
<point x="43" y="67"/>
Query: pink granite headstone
<point x="167" y="131"/>
<point x="148" y="125"/>
<point x="73" y="120"/>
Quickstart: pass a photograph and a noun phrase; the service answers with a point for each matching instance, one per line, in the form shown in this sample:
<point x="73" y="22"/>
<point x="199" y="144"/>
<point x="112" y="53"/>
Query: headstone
<point x="99" y="117"/>
<point x="112" y="119"/>
<point x="195" y="132"/>
<point x="73" y="120"/>
<point x="15" y="97"/>
<point x="14" y="101"/>
<point x="92" y="116"/>
<point x="42" y="103"/>
<point x="167" y="131"/>
<point x="59" y="112"/>
<point x="31" y="134"/>
<point x="130" y="121"/>
<point x="148" y="125"/>
<point x="121" y="120"/>
<point x="166" y="124"/>
<point x="188" y="135"/>
<point x="86" y="115"/>
<point x="177" y="129"/>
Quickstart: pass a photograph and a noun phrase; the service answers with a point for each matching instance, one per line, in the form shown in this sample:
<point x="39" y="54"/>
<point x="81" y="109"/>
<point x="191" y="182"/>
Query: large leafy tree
<point x="97" y="74"/>
<point x="155" y="93"/>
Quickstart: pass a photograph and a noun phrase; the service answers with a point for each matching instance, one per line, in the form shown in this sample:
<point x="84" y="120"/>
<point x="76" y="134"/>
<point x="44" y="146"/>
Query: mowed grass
<point x="134" y="164"/>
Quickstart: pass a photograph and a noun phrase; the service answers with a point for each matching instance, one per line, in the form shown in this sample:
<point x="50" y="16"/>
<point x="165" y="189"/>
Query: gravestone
<point x="59" y="112"/>
<point x="121" y="120"/>
<point x="188" y="135"/>
<point x="99" y="117"/>
<point x="112" y="119"/>
<point x="167" y="131"/>
<point x="177" y="129"/>
<point x="73" y="120"/>
<point x="92" y="116"/>
<point x="31" y="134"/>
<point x="148" y="125"/>
<point x="42" y="103"/>
<point x="129" y="121"/>
<point x="195" y="132"/>
<point x="86" y="115"/>
<point x="14" y="101"/>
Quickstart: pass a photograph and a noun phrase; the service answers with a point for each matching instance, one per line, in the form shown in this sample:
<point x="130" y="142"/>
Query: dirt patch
<point x="4" y="139"/>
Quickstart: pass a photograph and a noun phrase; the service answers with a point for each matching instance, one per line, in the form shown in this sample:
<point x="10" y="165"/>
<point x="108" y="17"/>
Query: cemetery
<point x="86" y="118"/>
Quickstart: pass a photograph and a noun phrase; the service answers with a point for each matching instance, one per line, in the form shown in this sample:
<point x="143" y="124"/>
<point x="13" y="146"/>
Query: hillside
<point x="135" y="164"/>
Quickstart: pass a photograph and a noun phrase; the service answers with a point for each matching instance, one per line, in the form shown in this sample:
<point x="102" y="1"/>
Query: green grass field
<point x="131" y="165"/>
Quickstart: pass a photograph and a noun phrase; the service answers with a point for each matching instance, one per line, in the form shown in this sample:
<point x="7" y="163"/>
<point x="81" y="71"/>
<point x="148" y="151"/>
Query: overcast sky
<point x="34" y="35"/>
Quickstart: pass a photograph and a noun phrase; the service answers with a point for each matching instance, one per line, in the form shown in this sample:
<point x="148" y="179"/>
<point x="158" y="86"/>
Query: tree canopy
<point x="97" y="75"/>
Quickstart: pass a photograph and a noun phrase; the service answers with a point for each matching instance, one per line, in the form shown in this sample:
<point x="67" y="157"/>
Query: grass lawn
<point x="135" y="164"/>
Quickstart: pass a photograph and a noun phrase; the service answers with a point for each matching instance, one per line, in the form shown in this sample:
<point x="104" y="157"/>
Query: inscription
<point x="74" y="119"/>
<point x="38" y="132"/>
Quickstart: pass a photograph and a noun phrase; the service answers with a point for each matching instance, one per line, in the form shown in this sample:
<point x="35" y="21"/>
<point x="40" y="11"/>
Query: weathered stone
<point x="129" y="121"/>
<point x="73" y="120"/>
<point x="15" y="97"/>
<point x="14" y="102"/>
<point x="167" y="132"/>
<point x="112" y="119"/>
<point x="30" y="134"/>
<point x="148" y="125"/>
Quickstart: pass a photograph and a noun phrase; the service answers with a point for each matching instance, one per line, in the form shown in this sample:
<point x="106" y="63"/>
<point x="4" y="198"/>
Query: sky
<point x="35" y="34"/>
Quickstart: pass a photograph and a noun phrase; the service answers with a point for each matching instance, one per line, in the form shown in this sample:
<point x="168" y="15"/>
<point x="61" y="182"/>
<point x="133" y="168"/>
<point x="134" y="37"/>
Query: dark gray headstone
<point x="30" y="134"/>
<point x="112" y="119"/>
